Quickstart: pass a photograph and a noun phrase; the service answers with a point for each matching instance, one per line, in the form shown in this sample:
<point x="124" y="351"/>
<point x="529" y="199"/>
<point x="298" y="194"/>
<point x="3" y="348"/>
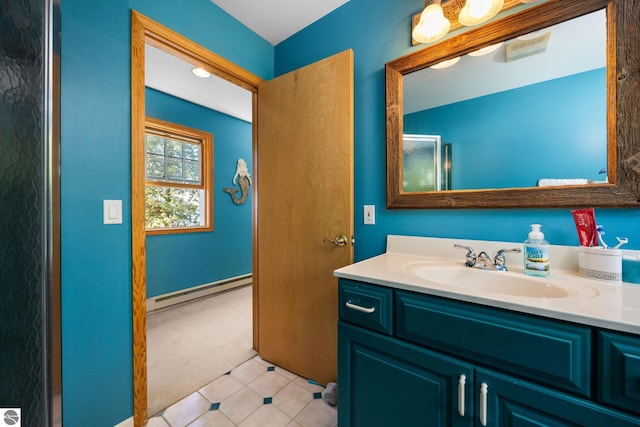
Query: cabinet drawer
<point x="619" y="371"/>
<point x="366" y="305"/>
<point x="549" y="352"/>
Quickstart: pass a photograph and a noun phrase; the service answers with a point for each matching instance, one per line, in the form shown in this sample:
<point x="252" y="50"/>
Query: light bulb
<point x="446" y="63"/>
<point x="486" y="50"/>
<point x="476" y="12"/>
<point x="479" y="8"/>
<point x="432" y="25"/>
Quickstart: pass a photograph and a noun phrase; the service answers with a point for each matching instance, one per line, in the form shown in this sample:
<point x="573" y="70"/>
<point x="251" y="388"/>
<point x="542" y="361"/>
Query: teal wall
<point x="95" y="84"/>
<point x="95" y="165"/>
<point x="178" y="261"/>
<point x="378" y="31"/>
<point x="524" y="133"/>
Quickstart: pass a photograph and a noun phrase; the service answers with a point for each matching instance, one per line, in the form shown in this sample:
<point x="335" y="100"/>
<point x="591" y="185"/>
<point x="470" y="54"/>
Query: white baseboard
<point x="166" y="300"/>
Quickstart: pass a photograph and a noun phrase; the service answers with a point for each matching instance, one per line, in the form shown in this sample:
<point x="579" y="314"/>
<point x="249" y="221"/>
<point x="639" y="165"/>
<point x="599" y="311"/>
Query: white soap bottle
<point x="536" y="253"/>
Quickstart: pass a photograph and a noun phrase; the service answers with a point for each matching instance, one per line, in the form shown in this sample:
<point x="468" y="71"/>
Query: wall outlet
<point x="369" y="214"/>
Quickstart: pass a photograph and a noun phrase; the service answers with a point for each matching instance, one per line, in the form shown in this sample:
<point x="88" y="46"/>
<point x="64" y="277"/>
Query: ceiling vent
<point x="523" y="47"/>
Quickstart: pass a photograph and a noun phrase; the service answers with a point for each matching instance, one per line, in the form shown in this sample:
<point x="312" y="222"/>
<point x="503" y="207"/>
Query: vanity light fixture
<point x="427" y="26"/>
<point x="475" y="12"/>
<point x="432" y="25"/>
<point x="200" y="72"/>
<point x="445" y="64"/>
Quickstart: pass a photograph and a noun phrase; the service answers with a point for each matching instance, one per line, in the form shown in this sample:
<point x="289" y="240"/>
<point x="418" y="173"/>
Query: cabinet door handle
<point x="356" y="307"/>
<point x="461" y="382"/>
<point x="483" y="403"/>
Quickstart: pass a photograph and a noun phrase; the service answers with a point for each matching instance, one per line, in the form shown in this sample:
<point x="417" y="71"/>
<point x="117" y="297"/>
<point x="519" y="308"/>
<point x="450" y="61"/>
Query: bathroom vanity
<point x="417" y="347"/>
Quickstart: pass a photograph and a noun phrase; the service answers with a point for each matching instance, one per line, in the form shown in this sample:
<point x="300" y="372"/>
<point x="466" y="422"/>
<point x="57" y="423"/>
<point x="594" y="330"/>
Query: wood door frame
<point x="143" y="31"/>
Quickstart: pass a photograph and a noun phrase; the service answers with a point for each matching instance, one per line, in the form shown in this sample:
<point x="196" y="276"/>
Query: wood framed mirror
<point x="621" y="187"/>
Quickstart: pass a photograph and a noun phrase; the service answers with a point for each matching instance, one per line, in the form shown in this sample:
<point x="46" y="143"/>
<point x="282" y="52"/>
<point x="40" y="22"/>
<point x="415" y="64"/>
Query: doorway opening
<point x="145" y="31"/>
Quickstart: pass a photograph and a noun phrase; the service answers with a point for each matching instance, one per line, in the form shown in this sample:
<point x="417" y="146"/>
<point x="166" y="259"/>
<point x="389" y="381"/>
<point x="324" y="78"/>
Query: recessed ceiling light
<point x="200" y="72"/>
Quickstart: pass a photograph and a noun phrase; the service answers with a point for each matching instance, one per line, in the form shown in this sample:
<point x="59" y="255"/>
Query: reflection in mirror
<point x="426" y="163"/>
<point x="531" y="112"/>
<point x="620" y="178"/>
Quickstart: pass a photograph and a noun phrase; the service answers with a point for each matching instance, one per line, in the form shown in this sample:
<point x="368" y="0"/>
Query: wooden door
<point x="304" y="170"/>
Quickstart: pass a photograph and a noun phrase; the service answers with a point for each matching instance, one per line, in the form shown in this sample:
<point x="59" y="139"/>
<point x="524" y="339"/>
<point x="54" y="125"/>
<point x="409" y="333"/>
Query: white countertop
<point x="598" y="303"/>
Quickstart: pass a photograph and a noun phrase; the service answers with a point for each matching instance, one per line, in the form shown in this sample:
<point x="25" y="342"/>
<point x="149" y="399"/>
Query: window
<point x="179" y="178"/>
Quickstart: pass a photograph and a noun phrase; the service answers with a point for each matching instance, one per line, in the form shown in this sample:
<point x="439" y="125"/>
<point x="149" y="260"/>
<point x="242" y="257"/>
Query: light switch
<point x="112" y="211"/>
<point x="369" y="214"/>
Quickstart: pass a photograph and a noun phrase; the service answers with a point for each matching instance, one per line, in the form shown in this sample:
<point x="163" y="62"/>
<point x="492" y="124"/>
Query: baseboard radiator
<point x="184" y="295"/>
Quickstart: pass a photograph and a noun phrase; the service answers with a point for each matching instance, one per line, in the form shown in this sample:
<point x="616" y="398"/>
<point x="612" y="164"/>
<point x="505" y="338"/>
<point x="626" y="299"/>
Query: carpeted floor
<point x="191" y="344"/>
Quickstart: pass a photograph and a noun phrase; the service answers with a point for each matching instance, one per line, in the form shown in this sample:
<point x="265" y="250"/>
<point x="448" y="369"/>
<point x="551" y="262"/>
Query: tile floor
<point x="255" y="393"/>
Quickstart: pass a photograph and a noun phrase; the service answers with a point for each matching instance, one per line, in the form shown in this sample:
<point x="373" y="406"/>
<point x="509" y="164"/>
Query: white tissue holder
<point x="599" y="263"/>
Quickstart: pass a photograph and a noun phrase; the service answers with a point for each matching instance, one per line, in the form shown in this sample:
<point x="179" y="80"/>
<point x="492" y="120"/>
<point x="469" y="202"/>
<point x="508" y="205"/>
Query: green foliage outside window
<point x="169" y="207"/>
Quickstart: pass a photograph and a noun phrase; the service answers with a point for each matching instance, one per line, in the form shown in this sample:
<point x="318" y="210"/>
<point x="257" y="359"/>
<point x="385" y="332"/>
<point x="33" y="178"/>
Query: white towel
<point x="546" y="182"/>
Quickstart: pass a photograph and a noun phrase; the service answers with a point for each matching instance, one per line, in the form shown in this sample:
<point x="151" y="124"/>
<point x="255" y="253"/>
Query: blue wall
<point x="178" y="261"/>
<point x="96" y="258"/>
<point x="524" y="133"/>
<point x="95" y="152"/>
<point x="378" y="31"/>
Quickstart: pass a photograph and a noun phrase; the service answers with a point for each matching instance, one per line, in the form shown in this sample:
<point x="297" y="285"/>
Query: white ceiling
<point x="276" y="20"/>
<point x="273" y="20"/>
<point x="171" y="75"/>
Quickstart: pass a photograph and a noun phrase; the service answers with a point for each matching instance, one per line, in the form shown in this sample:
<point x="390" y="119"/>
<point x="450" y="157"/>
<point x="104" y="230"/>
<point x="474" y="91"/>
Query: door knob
<point x="340" y="240"/>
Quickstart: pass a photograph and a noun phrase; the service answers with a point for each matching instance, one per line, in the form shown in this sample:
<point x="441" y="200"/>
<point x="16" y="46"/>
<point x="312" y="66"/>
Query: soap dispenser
<point x="536" y="253"/>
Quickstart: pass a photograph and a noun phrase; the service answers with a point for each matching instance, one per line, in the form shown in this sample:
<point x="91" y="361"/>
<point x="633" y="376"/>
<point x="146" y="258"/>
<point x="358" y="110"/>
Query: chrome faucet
<point x="470" y="258"/>
<point x="483" y="259"/>
<point x="500" y="262"/>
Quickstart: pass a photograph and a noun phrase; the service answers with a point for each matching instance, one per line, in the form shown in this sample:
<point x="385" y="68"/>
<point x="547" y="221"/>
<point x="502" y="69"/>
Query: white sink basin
<point x="497" y="282"/>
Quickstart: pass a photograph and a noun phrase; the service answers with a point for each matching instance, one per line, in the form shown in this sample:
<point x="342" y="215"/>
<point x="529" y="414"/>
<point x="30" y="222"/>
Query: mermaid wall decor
<point x="243" y="178"/>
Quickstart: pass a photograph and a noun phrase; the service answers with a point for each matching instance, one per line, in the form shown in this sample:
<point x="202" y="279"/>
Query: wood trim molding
<point x="146" y="31"/>
<point x="623" y="76"/>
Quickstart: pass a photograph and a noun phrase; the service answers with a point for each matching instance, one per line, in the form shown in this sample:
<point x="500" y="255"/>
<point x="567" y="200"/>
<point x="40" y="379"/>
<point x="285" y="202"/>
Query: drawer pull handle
<point x="483" y="403"/>
<point x="461" y="382"/>
<point x="356" y="307"/>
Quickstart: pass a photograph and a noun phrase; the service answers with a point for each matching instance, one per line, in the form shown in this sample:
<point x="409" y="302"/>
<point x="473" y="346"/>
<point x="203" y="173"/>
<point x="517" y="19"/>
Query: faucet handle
<point x="499" y="260"/>
<point x="470" y="257"/>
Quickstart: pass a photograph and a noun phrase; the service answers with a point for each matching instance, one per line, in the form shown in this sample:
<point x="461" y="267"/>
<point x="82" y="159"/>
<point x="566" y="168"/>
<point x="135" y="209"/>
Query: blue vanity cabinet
<point x="619" y="370"/>
<point x="386" y="382"/>
<point x="366" y="305"/>
<point x="453" y="363"/>
<point x="554" y="353"/>
<point x="505" y="401"/>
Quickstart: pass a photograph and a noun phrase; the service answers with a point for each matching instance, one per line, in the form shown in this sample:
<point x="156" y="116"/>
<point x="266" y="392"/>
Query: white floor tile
<point x="221" y="388"/>
<point x="268" y="384"/>
<point x="248" y="371"/>
<point x="212" y="419"/>
<point x="318" y="414"/>
<point x="186" y="410"/>
<point x="241" y="404"/>
<point x="157" y="422"/>
<point x="292" y="399"/>
<point x="314" y="388"/>
<point x="267" y="416"/>
<point x="289" y="375"/>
